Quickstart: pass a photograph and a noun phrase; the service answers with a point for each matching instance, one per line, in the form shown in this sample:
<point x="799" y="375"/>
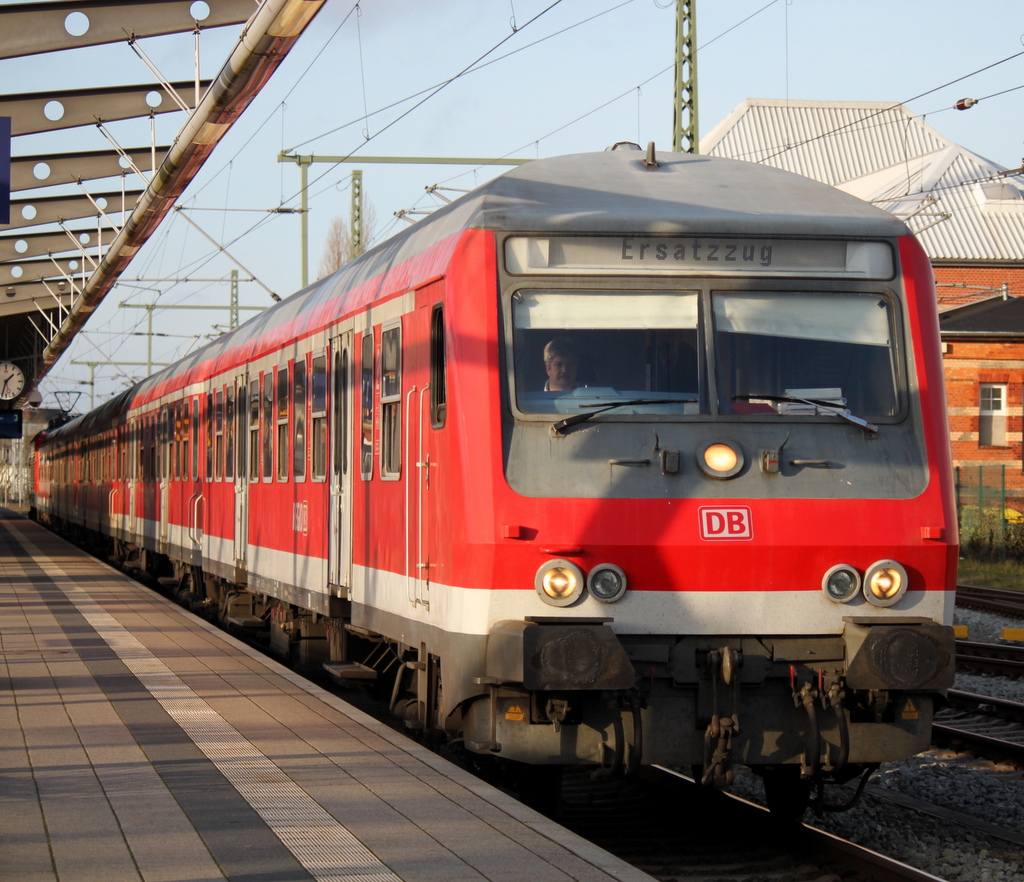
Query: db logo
<point x="726" y="523"/>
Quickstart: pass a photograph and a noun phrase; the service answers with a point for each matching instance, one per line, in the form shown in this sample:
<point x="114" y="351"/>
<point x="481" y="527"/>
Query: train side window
<point x="208" y="416"/>
<point x="319" y="408"/>
<point x="152" y="446"/>
<point x="366" y="408"/>
<point x="229" y="430"/>
<point x="283" y="390"/>
<point x="391" y="403"/>
<point x="218" y="444"/>
<point x="254" y="430"/>
<point x="242" y="442"/>
<point x="438" y="370"/>
<point x="268" y="425"/>
<point x="299" y="417"/>
<point x="195" y="439"/>
<point x="176" y="441"/>
<point x="341" y="412"/>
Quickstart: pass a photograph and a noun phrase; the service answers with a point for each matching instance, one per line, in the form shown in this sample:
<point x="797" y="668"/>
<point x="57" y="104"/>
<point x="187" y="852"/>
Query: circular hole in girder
<point x="28" y="212"/>
<point x="199" y="10"/>
<point x="72" y="265"/>
<point x="77" y="24"/>
<point x="102" y="203"/>
<point x="123" y="162"/>
<point x="21" y="246"/>
<point x="17" y="272"/>
<point x="53" y="110"/>
<point x="41" y="171"/>
<point x="84" y="238"/>
<point x="154" y="99"/>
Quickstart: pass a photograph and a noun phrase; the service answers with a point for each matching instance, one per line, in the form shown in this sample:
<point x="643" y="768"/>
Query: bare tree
<point x="338" y="248"/>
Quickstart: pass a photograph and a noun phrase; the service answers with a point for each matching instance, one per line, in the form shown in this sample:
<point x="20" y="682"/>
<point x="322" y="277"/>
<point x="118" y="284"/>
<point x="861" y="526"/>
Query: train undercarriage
<point x="802" y="712"/>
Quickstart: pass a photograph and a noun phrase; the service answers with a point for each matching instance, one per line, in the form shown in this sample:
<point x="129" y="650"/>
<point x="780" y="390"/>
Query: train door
<point x="424" y="389"/>
<point x="133" y="475"/>
<point x="339" y="567"/>
<point x="194" y="514"/>
<point x="165" y="433"/>
<point x="241" y="437"/>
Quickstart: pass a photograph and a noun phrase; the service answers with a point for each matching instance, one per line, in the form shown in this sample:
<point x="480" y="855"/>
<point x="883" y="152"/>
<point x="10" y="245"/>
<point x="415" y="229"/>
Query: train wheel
<point x="539" y="786"/>
<point x="786" y="793"/>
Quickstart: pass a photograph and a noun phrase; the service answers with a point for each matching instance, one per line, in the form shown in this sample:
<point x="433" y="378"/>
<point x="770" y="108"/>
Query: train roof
<point x="614" y="191"/>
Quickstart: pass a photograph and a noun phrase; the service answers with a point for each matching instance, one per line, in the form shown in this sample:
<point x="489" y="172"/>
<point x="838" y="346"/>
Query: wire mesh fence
<point x="991" y="514"/>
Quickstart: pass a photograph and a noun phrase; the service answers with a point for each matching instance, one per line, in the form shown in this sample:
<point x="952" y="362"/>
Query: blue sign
<point x="10" y="423"/>
<point x="5" y="169"/>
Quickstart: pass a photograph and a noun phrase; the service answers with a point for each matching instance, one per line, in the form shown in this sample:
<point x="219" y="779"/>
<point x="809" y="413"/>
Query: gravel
<point x="982" y="792"/>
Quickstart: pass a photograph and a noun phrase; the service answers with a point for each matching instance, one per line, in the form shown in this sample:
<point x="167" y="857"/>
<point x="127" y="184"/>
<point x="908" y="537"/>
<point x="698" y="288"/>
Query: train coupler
<point x="723" y="670"/>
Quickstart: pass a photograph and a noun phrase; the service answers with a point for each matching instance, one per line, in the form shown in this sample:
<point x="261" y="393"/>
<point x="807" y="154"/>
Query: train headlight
<point x="720" y="459"/>
<point x="885" y="583"/>
<point x="841" y="583"/>
<point x="607" y="583"/>
<point x="559" y="582"/>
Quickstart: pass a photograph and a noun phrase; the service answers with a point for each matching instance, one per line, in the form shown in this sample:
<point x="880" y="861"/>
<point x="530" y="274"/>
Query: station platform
<point x="138" y="742"/>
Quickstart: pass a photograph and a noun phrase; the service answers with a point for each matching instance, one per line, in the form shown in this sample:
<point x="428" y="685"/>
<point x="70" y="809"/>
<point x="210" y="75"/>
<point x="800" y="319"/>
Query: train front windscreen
<point x="791" y="353"/>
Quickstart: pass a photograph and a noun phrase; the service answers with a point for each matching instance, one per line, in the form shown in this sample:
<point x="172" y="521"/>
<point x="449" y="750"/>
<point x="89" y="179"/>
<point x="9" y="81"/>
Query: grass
<point x="991" y="573"/>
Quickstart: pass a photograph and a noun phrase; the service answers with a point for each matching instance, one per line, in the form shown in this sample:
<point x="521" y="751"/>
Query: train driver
<point x="561" y="362"/>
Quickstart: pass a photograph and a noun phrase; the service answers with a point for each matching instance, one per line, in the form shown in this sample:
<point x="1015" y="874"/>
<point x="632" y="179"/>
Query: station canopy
<point x="76" y="218"/>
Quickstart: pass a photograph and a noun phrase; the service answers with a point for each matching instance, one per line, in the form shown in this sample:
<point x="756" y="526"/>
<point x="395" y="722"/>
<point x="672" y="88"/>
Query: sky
<point x="486" y="78"/>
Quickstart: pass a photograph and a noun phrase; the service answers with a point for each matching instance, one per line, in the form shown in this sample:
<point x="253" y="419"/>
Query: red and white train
<point x="724" y="533"/>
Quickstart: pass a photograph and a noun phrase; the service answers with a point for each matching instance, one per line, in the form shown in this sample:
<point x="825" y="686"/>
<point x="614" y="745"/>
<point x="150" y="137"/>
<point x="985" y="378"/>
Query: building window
<point x="992" y="415"/>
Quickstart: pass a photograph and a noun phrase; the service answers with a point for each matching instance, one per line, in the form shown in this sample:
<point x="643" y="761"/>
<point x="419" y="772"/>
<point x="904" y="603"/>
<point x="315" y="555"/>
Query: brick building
<point x="983" y="357"/>
<point x="968" y="213"/>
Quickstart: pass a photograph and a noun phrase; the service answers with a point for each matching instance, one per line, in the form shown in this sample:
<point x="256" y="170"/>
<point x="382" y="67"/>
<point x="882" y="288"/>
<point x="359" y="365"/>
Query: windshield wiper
<point x="578" y="418"/>
<point x="814" y="402"/>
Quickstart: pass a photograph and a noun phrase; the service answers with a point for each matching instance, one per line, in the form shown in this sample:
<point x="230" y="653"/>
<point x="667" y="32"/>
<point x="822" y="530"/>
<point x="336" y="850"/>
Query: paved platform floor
<point x="137" y="742"/>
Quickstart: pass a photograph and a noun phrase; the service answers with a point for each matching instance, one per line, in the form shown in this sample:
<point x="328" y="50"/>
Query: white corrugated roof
<point x="957" y="202"/>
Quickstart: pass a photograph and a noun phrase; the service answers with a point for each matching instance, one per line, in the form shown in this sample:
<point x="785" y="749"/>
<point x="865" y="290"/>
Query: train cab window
<point x="805" y="354"/>
<point x="254" y="430"/>
<point x="229" y="431"/>
<point x="391" y="403"/>
<point x="438" y="371"/>
<point x="218" y="444"/>
<point x="366" y="408"/>
<point x="268" y="425"/>
<point x="299" y="419"/>
<point x="319" y="410"/>
<point x="638" y="351"/>
<point x="283" y="395"/>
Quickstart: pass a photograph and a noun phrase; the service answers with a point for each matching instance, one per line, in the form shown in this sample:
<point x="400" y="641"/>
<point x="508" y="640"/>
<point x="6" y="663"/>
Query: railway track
<point x="994" y="725"/>
<point x="673" y="829"/>
<point x="1002" y="601"/>
<point x="990" y="658"/>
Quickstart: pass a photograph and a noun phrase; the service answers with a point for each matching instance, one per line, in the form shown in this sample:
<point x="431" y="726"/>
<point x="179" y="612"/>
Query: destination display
<point x="704" y="255"/>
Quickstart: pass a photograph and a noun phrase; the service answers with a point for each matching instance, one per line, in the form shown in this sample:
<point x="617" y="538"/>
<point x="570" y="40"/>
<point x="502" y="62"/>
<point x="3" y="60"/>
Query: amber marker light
<point x="885" y="582"/>
<point x="559" y="582"/>
<point x="720" y="459"/>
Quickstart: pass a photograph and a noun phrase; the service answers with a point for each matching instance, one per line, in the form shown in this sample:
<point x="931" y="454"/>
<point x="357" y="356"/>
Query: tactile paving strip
<point x="325" y="848"/>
